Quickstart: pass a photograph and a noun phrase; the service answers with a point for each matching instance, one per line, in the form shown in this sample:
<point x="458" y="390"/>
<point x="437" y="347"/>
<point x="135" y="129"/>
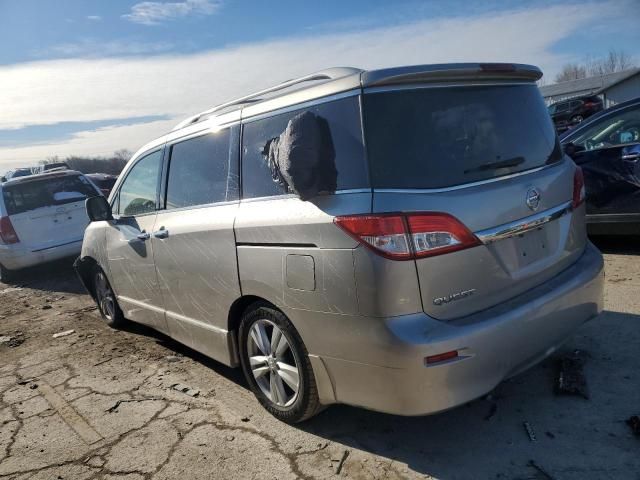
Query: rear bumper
<point x="16" y="256"/>
<point x="494" y="344"/>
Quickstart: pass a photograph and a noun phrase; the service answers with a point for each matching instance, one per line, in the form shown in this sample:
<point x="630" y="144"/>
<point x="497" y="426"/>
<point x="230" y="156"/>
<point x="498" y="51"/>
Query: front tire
<point x="577" y="119"/>
<point x="106" y="299"/>
<point x="276" y="364"/>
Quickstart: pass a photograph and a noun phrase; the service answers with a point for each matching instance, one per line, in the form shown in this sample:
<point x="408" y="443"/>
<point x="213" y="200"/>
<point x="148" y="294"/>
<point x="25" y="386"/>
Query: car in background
<point x="103" y="181"/>
<point x="54" y="166"/>
<point x="568" y="113"/>
<point x="18" y="172"/>
<point x="607" y="147"/>
<point x="42" y="218"/>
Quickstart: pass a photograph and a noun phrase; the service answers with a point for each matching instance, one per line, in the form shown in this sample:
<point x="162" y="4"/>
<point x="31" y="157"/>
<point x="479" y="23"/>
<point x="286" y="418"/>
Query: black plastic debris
<point x="634" y="423"/>
<point x="302" y="158"/>
<point x="571" y="379"/>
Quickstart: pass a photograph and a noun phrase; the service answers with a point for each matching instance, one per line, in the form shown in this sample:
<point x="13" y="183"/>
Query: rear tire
<point x="276" y="364"/>
<point x="106" y="299"/>
<point x="6" y="275"/>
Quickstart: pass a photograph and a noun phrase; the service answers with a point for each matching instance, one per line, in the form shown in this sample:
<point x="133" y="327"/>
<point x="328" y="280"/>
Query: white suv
<point x="42" y="218"/>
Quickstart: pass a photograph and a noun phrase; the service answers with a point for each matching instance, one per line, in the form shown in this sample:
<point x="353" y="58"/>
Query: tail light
<point x="408" y="236"/>
<point x="7" y="233"/>
<point x="579" y="190"/>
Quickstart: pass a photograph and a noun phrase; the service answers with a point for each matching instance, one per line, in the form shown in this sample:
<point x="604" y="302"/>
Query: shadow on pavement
<point x="617" y="245"/>
<point x="58" y="277"/>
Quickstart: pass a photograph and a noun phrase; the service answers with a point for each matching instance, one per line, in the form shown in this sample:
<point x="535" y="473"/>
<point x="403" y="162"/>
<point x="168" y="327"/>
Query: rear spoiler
<point x="450" y="72"/>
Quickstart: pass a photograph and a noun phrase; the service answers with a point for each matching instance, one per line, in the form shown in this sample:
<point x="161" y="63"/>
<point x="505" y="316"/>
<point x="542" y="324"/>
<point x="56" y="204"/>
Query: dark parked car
<point x="568" y="113"/>
<point x="607" y="147"/>
<point x="103" y="181"/>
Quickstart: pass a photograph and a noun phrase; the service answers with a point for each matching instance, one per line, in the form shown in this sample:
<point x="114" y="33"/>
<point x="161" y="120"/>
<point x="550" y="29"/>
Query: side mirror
<point x="571" y="149"/>
<point x="98" y="209"/>
<point x="3" y="179"/>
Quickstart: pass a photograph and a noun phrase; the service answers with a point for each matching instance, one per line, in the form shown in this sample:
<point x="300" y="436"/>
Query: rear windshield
<point x="46" y="192"/>
<point x="441" y="137"/>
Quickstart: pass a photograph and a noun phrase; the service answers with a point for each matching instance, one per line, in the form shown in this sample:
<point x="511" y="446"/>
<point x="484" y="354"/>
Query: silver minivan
<point x="401" y="239"/>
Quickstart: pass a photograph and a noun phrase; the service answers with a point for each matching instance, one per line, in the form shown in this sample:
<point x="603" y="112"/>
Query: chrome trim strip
<point x="466" y="185"/>
<point x="56" y="246"/>
<point x="521" y="226"/>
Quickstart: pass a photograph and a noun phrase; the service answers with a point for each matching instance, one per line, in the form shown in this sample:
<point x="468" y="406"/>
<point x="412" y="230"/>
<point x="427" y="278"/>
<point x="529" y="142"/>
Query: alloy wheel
<point x="105" y="297"/>
<point x="273" y="363"/>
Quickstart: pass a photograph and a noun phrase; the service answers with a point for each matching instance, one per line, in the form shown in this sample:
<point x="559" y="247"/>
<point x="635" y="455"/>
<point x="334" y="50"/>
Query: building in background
<point x="612" y="88"/>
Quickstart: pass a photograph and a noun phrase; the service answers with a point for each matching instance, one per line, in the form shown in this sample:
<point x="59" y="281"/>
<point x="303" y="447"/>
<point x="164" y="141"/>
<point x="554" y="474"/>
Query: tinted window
<point x="341" y="137"/>
<point x="199" y="171"/>
<point x="46" y="192"/>
<point x="440" y="137"/>
<point x="138" y="191"/>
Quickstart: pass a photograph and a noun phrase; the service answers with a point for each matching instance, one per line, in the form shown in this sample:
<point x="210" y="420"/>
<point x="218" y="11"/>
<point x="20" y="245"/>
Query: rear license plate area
<point x="531" y="246"/>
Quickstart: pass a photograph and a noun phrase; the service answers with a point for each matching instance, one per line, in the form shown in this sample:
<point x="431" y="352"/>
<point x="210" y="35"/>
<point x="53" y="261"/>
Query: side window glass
<point x="306" y="152"/>
<point x="617" y="129"/>
<point x="199" y="171"/>
<point x="137" y="194"/>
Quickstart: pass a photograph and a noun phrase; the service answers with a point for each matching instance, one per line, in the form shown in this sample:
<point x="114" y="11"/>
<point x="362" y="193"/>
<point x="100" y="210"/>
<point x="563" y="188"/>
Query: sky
<point x="89" y="77"/>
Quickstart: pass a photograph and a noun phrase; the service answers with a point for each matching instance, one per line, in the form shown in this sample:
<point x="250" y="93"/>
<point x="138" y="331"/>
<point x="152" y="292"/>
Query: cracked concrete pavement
<point x="99" y="404"/>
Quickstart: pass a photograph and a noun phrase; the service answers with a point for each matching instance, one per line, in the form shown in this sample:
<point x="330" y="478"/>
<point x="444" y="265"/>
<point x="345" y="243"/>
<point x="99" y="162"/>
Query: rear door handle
<point x="143" y="236"/>
<point x="162" y="233"/>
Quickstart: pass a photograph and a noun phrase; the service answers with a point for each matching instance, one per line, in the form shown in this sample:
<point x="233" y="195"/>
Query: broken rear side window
<point x="441" y="137"/>
<point x="308" y="151"/>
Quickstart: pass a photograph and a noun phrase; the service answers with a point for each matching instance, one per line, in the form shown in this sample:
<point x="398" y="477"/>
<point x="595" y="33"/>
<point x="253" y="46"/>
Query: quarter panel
<point x="289" y="220"/>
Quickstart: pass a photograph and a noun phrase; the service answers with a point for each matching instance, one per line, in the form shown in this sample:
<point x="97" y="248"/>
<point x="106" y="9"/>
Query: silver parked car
<point x="401" y="239"/>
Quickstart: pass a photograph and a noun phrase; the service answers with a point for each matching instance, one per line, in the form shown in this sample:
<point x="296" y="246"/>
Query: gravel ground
<point x="101" y="404"/>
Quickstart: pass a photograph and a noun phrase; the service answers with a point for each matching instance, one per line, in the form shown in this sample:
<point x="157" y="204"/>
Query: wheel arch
<point x="84" y="267"/>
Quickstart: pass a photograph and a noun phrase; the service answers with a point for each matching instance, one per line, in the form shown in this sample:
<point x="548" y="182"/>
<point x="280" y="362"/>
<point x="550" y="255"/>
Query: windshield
<point x="441" y="137"/>
<point x="46" y="192"/>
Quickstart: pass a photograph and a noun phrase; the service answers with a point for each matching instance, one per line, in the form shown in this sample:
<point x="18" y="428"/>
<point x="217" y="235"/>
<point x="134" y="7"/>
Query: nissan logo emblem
<point x="533" y="199"/>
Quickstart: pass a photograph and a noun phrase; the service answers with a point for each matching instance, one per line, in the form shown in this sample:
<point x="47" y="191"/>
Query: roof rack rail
<point x="328" y="74"/>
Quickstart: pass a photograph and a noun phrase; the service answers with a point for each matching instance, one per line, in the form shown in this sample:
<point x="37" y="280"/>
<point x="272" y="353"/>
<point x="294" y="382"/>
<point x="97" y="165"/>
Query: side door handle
<point x="631" y="157"/>
<point x="162" y="233"/>
<point x="143" y="236"/>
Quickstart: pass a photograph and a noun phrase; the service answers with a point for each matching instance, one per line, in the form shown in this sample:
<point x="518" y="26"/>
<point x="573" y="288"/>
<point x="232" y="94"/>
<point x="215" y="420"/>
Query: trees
<point x="613" y="61"/>
<point x="112" y="165"/>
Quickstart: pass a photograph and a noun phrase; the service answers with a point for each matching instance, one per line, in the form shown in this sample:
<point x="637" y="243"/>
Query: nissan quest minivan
<point x="400" y="239"/>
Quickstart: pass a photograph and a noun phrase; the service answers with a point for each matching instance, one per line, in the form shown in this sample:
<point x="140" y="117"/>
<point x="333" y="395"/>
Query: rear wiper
<point x="510" y="162"/>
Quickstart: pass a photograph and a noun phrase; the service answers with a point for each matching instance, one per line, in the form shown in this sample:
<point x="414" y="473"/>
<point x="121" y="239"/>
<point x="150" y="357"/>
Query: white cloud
<point x="100" y="142"/>
<point x="95" y="18"/>
<point x="153" y="13"/>
<point x="90" y="48"/>
<point x="49" y="92"/>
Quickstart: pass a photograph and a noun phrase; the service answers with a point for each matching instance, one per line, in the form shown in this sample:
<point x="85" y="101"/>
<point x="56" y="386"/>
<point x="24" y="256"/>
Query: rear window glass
<point x="46" y="192"/>
<point x="318" y="149"/>
<point x="441" y="137"/>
